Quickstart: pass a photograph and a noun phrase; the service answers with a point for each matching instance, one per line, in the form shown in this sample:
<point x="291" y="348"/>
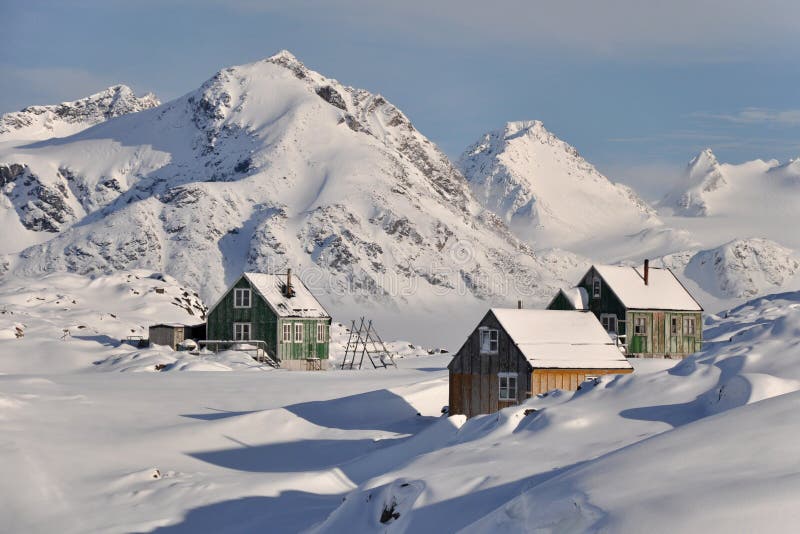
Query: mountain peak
<point x="67" y="118"/>
<point x="544" y="189"/>
<point x="286" y="59"/>
<point x="703" y="161"/>
<point x="283" y="55"/>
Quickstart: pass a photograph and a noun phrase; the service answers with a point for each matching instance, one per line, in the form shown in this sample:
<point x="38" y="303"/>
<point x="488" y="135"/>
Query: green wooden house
<point x="648" y="310"/>
<point x="274" y="312"/>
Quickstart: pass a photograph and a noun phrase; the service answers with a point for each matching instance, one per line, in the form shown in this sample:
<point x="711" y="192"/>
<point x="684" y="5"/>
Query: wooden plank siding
<point x="560" y="302"/>
<point x="267" y="326"/>
<point x="544" y="380"/>
<point x="659" y="341"/>
<point x="474" y="383"/>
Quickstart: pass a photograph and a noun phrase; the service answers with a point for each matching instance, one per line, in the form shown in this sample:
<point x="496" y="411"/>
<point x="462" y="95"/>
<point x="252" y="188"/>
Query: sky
<point x="637" y="86"/>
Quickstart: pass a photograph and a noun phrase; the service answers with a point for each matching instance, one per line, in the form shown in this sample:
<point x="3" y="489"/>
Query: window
<point x="298" y="332"/>
<point x="640" y="326"/>
<point x="609" y="322"/>
<point x="321" y="332"/>
<point x="688" y="326"/>
<point x="673" y="328"/>
<point x="489" y="337"/>
<point x="287" y="332"/>
<point x="508" y="386"/>
<point x="596" y="288"/>
<point x="241" y="331"/>
<point x="241" y="298"/>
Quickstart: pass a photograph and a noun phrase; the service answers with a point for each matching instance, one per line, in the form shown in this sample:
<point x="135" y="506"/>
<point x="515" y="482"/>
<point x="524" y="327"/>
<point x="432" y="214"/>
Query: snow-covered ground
<point x="88" y="446"/>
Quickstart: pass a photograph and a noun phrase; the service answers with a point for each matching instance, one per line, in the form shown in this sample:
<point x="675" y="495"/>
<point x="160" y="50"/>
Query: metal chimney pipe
<point x="289" y="289"/>
<point x="646" y="271"/>
<point x="519" y="304"/>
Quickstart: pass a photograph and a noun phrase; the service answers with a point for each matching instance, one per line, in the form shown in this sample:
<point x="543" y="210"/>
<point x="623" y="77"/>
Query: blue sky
<point x="638" y="87"/>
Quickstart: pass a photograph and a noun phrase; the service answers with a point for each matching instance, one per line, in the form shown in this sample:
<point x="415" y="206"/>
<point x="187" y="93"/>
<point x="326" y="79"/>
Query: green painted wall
<point x="309" y="347"/>
<point x="659" y="339"/>
<point x="607" y="303"/>
<point x="266" y="326"/>
<point x="560" y="303"/>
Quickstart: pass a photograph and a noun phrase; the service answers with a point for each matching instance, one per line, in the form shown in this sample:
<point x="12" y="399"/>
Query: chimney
<point x="289" y="288"/>
<point x="519" y="304"/>
<point x="646" y="271"/>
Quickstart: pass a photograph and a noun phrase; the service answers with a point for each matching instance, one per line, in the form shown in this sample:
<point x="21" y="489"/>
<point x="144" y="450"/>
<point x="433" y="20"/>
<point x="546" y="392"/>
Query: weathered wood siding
<point x="560" y="303"/>
<point x="309" y="348"/>
<point x="544" y="380"/>
<point x="659" y="341"/>
<point x="168" y="336"/>
<point x="608" y="301"/>
<point x="267" y="326"/>
<point x="262" y="319"/>
<point x="474" y="382"/>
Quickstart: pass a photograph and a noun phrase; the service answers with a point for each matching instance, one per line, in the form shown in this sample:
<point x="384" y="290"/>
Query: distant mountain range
<point x="272" y="165"/>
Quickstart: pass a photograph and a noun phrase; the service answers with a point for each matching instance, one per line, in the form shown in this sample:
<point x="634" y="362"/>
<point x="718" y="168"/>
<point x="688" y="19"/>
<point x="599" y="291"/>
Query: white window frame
<point x="597" y="287"/>
<point x="486" y="331"/>
<point x="689" y="326"/>
<point x="286" y="335"/>
<point x="321" y="332"/>
<point x="298" y="329"/>
<point x="239" y="294"/>
<point x="241" y="327"/>
<point x="636" y="323"/>
<point x="505" y="389"/>
<point x="612" y="318"/>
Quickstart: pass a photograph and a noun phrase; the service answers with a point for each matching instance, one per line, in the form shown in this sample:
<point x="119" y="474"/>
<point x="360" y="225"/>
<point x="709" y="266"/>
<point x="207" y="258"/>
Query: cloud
<point x="787" y="117"/>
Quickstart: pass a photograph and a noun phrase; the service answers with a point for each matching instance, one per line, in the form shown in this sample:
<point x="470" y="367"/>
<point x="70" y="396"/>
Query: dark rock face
<point x="41" y="207"/>
<point x="9" y="173"/>
<point x="332" y="97"/>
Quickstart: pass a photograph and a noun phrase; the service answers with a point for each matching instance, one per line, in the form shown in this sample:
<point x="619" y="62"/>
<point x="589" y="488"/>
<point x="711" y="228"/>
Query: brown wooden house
<point x="514" y="354"/>
<point x="648" y="310"/>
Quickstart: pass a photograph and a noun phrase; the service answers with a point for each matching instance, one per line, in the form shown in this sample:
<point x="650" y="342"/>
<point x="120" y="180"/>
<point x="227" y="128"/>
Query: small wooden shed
<point x="514" y="354"/>
<point x="172" y="334"/>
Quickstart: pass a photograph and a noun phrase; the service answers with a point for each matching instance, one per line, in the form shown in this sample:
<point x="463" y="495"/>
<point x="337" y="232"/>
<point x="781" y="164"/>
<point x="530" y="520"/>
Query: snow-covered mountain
<point x="711" y="188"/>
<point x="744" y="268"/>
<point x="67" y="118"/>
<point x="265" y="166"/>
<point x="547" y="193"/>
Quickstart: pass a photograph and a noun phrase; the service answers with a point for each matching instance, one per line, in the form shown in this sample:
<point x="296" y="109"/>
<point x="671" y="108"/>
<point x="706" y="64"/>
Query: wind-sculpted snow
<point x="623" y="451"/>
<point x="700" y="445"/>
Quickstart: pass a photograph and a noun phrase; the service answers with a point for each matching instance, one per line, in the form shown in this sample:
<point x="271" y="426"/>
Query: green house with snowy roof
<point x="276" y="313"/>
<point x="647" y="310"/>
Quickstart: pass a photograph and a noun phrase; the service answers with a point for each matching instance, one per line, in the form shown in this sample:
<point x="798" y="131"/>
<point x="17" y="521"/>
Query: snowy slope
<point x="67" y="118"/>
<point x="705" y="445"/>
<point x="647" y="448"/>
<point x="549" y="194"/>
<point x="64" y="322"/>
<point x="270" y="165"/>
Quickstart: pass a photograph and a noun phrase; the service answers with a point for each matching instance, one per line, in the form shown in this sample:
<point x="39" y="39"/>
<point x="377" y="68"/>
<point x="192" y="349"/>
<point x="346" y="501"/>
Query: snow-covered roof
<point x="577" y="296"/>
<point x="272" y="288"/>
<point x="561" y="339"/>
<point x="662" y="292"/>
